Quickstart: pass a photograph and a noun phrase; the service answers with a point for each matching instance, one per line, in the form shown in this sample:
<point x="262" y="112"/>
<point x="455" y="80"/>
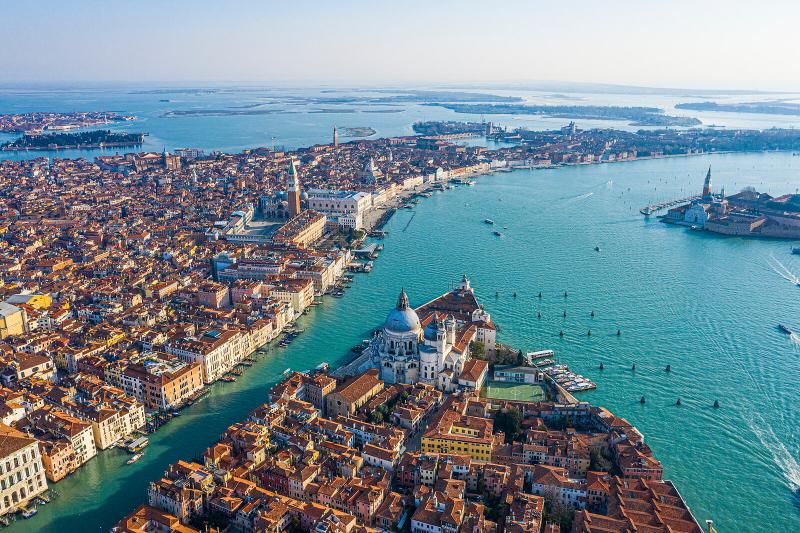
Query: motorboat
<point x="134" y="458"/>
<point x="784" y="329"/>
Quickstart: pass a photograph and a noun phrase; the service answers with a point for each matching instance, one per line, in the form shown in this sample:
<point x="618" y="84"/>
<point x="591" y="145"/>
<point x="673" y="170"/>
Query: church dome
<point x="402" y="319"/>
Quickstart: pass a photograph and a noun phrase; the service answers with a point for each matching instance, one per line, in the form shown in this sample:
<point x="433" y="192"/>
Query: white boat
<point x="134" y="458"/>
<point x="28" y="513"/>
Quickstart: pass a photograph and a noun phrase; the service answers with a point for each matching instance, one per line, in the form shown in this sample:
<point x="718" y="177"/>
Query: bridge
<point x="652" y="208"/>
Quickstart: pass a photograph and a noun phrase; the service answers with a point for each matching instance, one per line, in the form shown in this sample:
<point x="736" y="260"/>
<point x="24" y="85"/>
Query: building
<point x="459" y="434"/>
<point x="434" y="349"/>
<point x="293" y="190"/>
<point x="161" y="382"/>
<point x="301" y="231"/>
<point x="347" y="208"/>
<point x="217" y="351"/>
<point x="22" y="475"/>
<point x="12" y="320"/>
<point x="353" y="393"/>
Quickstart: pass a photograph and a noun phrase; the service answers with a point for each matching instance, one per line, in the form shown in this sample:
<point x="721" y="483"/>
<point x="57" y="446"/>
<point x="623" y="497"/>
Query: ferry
<point x="488" y="221"/>
<point x="134" y="459"/>
<point x="541" y="354"/>
<point x="784" y="329"/>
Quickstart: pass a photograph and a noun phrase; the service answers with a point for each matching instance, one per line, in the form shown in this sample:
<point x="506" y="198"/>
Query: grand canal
<point x="705" y="305"/>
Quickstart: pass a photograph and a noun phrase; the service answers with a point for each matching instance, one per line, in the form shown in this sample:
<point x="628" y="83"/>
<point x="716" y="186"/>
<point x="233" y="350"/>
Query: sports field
<point x="515" y="391"/>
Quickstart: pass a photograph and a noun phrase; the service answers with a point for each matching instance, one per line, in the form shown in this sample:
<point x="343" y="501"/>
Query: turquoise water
<point x="706" y="305"/>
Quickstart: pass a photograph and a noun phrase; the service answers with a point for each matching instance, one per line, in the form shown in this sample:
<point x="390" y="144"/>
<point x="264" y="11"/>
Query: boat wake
<point x="783" y="271"/>
<point x="782" y="457"/>
<point x="761" y="428"/>
<point x="582" y="196"/>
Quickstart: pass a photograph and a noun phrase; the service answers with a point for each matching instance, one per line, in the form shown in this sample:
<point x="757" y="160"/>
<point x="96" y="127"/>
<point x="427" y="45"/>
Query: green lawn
<point x="515" y="391"/>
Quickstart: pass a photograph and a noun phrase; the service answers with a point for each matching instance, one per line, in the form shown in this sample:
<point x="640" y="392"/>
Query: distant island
<point x="360" y="131"/>
<point x="83" y="139"/>
<point x="638" y="116"/>
<point x="40" y="121"/>
<point x="774" y="107"/>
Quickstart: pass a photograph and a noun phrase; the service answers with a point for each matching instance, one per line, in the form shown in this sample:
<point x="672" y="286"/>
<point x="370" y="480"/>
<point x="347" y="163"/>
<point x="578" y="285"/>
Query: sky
<point x="705" y="44"/>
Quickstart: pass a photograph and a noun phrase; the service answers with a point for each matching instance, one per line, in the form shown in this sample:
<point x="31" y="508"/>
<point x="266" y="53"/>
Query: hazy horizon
<point x="701" y="45"/>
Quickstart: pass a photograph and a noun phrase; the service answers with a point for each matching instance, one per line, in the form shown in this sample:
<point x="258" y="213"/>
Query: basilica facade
<point x="432" y="343"/>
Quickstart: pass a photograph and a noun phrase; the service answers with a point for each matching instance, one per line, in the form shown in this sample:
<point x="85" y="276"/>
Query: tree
<point x="509" y="421"/>
<point x="520" y="359"/>
<point x="478" y="350"/>
<point x="600" y="461"/>
<point x="376" y="417"/>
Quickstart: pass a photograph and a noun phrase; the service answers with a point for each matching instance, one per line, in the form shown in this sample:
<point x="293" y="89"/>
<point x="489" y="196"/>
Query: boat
<point x="228" y="378"/>
<point x="541" y="354"/>
<point x="497" y="233"/>
<point x="784" y="329"/>
<point x="28" y="513"/>
<point x="796" y="250"/>
<point x="596" y="248"/>
<point x="287" y="371"/>
<point x="134" y="459"/>
<point x="488" y="221"/>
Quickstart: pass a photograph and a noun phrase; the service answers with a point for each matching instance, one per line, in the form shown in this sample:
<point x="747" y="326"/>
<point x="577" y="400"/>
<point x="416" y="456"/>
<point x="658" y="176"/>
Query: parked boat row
<point x="570" y="381"/>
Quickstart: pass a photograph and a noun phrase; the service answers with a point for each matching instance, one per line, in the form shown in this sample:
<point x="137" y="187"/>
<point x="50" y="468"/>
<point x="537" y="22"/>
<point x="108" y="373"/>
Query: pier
<point x="653" y="208"/>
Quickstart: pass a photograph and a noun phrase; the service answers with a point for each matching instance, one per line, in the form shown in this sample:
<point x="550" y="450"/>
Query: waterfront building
<point x="217" y="351"/>
<point x="435" y="349"/>
<point x="160" y="381"/>
<point x="49" y="423"/>
<point x="22" y="475"/>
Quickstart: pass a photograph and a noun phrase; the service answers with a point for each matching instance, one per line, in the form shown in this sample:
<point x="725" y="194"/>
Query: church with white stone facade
<point x="432" y="343"/>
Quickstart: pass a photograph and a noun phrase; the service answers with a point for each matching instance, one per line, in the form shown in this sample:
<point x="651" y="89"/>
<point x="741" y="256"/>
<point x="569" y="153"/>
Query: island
<point x="83" y="139"/>
<point x="637" y="116"/>
<point x="359" y="131"/>
<point x="41" y="121"/>
<point x="772" y="107"/>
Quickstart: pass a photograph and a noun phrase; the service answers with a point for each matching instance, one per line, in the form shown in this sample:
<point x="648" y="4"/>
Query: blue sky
<point x="702" y="43"/>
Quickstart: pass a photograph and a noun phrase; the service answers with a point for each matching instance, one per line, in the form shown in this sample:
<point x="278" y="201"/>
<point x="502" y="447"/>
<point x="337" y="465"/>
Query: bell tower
<point x="293" y="190"/>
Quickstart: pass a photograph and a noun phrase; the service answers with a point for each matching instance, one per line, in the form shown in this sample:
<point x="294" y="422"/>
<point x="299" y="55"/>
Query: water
<point x="706" y="305"/>
<point x="296" y="123"/>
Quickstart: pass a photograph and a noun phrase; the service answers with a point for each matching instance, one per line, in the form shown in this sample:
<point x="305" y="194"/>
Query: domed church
<point x="434" y="349"/>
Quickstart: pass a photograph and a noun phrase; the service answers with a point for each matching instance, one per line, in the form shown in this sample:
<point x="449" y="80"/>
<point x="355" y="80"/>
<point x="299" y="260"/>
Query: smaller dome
<point x="432" y="330"/>
<point x="304" y="195"/>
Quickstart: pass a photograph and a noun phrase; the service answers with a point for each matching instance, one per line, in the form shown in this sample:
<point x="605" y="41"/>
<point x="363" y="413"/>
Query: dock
<point x="653" y="208"/>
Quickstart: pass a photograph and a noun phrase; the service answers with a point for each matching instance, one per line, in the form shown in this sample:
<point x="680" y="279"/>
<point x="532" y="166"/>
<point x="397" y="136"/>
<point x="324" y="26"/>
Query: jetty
<point x="653" y="208"/>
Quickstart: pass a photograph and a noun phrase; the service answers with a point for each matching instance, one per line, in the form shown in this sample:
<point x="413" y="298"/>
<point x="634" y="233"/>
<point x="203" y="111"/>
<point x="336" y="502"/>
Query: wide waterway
<point x="707" y="305"/>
